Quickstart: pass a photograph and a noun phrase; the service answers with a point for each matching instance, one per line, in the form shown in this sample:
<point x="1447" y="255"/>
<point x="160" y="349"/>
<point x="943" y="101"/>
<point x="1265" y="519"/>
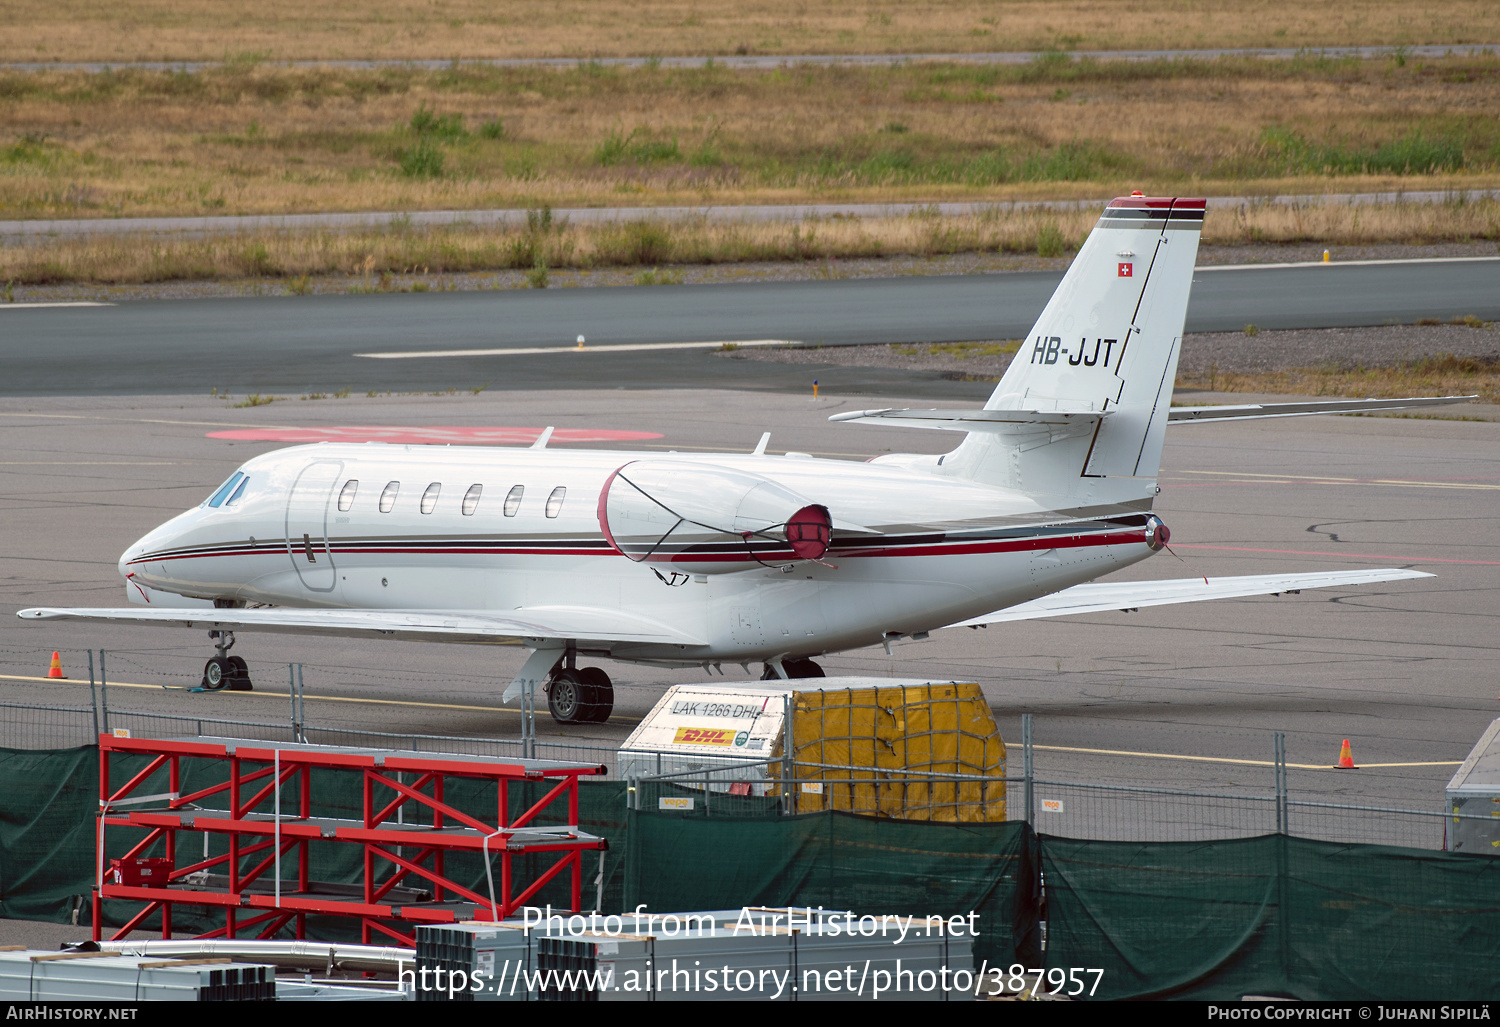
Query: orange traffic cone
<point x="56" y="669"/>
<point x="1346" y="757"/>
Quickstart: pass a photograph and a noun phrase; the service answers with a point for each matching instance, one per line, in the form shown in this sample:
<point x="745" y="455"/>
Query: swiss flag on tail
<point x="1125" y="269"/>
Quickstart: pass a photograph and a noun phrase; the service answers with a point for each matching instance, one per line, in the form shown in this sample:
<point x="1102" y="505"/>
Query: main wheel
<point x="567" y="696"/>
<point x="217" y="673"/>
<point x="240" y="681"/>
<point x="603" y="695"/>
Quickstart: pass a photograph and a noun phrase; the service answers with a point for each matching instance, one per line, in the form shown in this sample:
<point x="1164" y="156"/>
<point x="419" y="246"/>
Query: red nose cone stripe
<point x="809" y="531"/>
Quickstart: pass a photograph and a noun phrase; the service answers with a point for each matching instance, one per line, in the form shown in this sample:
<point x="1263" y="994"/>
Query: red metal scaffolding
<point x="269" y="824"/>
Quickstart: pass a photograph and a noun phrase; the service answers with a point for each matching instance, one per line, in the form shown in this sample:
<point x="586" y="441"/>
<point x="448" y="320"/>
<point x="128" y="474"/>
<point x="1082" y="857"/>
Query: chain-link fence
<point x="1106" y="801"/>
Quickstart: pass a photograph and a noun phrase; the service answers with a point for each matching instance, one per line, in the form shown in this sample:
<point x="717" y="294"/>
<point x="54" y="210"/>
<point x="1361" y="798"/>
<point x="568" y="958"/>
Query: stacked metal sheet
<point x="37" y="976"/>
<point x="775" y="954"/>
<point x="469" y="963"/>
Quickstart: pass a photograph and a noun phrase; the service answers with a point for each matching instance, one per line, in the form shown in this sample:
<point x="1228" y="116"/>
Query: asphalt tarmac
<point x="1406" y="670"/>
<point x="304" y="344"/>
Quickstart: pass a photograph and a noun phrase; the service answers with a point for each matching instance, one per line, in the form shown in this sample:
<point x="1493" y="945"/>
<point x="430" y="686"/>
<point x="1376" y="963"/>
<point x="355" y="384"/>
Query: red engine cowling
<point x="706" y="519"/>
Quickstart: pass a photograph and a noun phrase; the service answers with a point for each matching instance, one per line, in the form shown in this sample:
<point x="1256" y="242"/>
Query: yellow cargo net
<point x="871" y="751"/>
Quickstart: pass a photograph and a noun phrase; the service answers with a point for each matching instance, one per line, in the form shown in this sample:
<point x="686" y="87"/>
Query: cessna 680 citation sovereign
<point x="683" y="560"/>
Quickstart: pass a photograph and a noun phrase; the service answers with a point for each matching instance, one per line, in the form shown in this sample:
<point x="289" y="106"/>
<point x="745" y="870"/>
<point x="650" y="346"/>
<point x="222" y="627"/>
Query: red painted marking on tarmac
<point x="433" y="436"/>
<point x="1357" y="556"/>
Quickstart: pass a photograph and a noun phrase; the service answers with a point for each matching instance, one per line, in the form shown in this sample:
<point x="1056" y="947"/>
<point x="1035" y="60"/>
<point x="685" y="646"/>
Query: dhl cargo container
<point x="905" y="749"/>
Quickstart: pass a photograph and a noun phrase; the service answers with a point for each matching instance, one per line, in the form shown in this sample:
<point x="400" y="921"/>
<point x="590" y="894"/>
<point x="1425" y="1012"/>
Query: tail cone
<point x="1346" y="757"/>
<point x="56" y="670"/>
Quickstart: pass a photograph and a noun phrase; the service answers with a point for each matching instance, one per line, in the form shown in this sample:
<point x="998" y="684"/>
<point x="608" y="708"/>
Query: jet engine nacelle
<point x="705" y="519"/>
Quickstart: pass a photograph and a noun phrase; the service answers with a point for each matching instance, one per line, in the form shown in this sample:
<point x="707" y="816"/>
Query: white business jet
<point x="701" y="560"/>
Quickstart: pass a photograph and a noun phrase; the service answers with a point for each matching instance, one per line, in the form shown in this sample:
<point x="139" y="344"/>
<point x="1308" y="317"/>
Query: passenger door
<point x="307" y="524"/>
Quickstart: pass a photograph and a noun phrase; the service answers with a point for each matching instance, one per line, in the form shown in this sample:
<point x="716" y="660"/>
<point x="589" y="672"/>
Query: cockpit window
<point x="388" y="496"/>
<point x="430" y="497"/>
<point x="217" y="499"/>
<point x="238" y="493"/>
<point x="346" y="495"/>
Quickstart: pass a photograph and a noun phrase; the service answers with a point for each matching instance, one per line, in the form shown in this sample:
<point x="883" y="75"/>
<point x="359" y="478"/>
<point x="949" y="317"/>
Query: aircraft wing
<point x="1002" y="421"/>
<point x="1107" y="596"/>
<point x="1179" y="415"/>
<point x="524" y="626"/>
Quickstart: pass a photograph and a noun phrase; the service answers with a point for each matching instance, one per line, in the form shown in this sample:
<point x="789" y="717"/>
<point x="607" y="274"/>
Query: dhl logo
<point x="704" y="736"/>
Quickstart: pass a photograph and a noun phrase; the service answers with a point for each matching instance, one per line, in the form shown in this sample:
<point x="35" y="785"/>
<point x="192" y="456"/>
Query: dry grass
<point x="367" y="255"/>
<point x="243" y="139"/>
<point x="1443" y="375"/>
<point x="176" y="30"/>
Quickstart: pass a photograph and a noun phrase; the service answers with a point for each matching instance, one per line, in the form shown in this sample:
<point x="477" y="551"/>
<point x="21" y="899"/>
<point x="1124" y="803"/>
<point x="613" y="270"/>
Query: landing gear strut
<point x="223" y="670"/>
<point x="577" y="696"/>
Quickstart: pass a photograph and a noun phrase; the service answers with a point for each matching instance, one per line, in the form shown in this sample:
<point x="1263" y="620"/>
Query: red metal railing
<point x="269" y="823"/>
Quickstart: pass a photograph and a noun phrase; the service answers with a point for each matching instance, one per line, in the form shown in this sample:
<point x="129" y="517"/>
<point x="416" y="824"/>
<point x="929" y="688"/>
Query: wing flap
<point x="515" y="627"/>
<point x="1109" y="596"/>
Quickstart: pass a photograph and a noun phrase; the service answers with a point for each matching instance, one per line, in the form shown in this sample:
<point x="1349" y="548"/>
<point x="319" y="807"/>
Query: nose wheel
<point x="224" y="671"/>
<point x="580" y="696"/>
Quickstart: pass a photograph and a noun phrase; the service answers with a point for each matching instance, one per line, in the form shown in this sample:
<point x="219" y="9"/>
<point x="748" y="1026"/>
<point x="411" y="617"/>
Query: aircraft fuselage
<point x="500" y="530"/>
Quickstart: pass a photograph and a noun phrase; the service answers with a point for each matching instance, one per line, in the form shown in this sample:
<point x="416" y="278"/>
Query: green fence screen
<point x="1274" y="916"/>
<point x="47" y="805"/>
<point x="686" y="861"/>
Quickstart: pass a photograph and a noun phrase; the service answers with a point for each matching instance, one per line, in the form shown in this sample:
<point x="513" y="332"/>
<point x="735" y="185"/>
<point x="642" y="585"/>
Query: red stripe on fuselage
<point x="956" y="548"/>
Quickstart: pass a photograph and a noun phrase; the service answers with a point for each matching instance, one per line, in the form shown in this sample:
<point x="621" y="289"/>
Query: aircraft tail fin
<point x="1106" y="343"/>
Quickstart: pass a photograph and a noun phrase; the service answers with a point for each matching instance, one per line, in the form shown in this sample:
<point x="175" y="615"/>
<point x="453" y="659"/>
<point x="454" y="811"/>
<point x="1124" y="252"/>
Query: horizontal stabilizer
<point x="1334" y="406"/>
<point x="517" y="627"/>
<point x="1109" y="596"/>
<point x="969" y="420"/>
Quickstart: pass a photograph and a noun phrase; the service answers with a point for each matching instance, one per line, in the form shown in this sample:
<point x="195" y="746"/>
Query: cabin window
<point x="430" y="497"/>
<point x="513" y="500"/>
<point x="346" y="495"/>
<point x="234" y="497"/>
<point x="555" y="501"/>
<point x="222" y="494"/>
<point x="471" y="500"/>
<point x="388" y="496"/>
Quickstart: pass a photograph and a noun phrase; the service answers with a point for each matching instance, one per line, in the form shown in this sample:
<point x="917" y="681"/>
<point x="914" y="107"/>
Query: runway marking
<point x="33" y="306"/>
<point x="526" y="351"/>
<point x="1245" y="763"/>
<point x="1344" y="263"/>
<point x="283" y="695"/>
<point x="1356" y="556"/>
<point x="397" y="434"/>
<point x="1330" y="479"/>
<point x="88" y="463"/>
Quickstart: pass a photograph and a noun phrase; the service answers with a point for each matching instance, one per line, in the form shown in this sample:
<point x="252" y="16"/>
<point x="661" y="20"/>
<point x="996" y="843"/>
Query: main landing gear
<point x="795" y="668"/>
<point x="577" y="696"/>
<point x="225" y="671"/>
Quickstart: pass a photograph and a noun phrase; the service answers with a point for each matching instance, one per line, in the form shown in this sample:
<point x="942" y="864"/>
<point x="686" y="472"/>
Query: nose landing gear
<point x="576" y="696"/>
<point x="225" y="671"/>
